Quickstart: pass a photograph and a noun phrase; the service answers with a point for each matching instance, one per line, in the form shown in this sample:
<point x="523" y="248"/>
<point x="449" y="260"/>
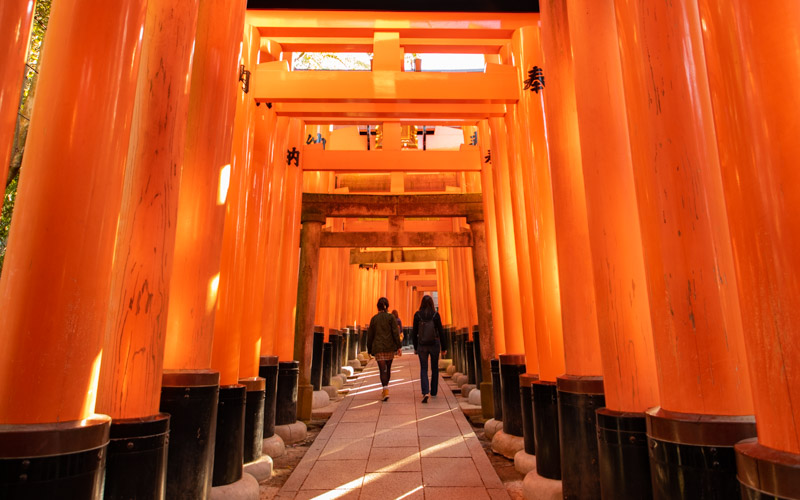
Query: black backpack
<point x="427" y="332"/>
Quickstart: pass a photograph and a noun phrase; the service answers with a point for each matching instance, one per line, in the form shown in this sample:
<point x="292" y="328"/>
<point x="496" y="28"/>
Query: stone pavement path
<point x="401" y="448"/>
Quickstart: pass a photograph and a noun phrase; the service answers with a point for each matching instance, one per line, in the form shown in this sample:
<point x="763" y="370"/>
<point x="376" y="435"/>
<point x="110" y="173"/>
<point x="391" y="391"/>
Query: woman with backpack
<point x="383" y="340"/>
<point x="427" y="335"/>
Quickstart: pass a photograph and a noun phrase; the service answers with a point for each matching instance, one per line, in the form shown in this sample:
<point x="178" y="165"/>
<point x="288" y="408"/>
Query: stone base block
<point x="455" y="375"/>
<point x="363" y="356"/>
<point x="338" y="381"/>
<point x="451" y="370"/>
<point x="244" y="489"/>
<point x="524" y="462"/>
<point x="461" y="380"/>
<point x="355" y="364"/>
<point x="474" y="397"/>
<point x="444" y="364"/>
<point x="491" y="427"/>
<point x="536" y="487"/>
<point x="292" y="433"/>
<point x="473" y="412"/>
<point x="466" y="389"/>
<point x="273" y="446"/>
<point x="348" y="371"/>
<point x="320" y="399"/>
<point x="261" y="469"/>
<point x="331" y="391"/>
<point x="506" y="444"/>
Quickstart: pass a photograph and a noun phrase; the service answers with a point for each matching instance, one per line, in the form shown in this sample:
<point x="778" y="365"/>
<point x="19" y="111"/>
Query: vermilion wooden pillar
<point x="487" y="184"/>
<point x="623" y="310"/>
<point x="55" y="285"/>
<point x="754" y="75"/>
<point x="15" y="29"/>
<point x="580" y="388"/>
<point x="694" y="304"/>
<point x="129" y="386"/>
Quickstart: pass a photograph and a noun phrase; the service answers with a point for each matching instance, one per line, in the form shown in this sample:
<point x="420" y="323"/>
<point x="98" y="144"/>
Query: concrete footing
<point x="466" y="389"/>
<point x="338" y="381"/>
<point x="244" y="489"/>
<point x="273" y="446"/>
<point x="292" y="433"/>
<point x="348" y="371"/>
<point x="260" y="469"/>
<point x="474" y="397"/>
<point x="355" y="364"/>
<point x="444" y="364"/>
<point x="507" y="444"/>
<point x="320" y="399"/>
<point x="491" y="427"/>
<point x="524" y="462"/>
<point x="451" y="370"/>
<point x="461" y="379"/>
<point x="536" y="487"/>
<point x="331" y="391"/>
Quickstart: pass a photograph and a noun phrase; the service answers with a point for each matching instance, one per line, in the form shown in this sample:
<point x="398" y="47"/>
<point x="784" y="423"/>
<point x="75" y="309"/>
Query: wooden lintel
<point x="408" y="205"/>
<point x="397" y="255"/>
<point x="421" y="113"/>
<point x="466" y="160"/>
<point x="395" y="240"/>
<point x="274" y="83"/>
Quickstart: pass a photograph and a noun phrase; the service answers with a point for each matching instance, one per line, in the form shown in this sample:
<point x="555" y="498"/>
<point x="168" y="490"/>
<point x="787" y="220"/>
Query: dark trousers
<point x="424" y="352"/>
<point x="385" y="370"/>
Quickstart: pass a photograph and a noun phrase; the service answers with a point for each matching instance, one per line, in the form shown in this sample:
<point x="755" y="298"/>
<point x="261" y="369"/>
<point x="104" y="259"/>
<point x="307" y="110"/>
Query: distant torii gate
<point x="318" y="207"/>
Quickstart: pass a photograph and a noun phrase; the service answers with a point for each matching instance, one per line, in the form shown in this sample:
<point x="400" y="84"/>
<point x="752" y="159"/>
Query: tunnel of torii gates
<point x="615" y="247"/>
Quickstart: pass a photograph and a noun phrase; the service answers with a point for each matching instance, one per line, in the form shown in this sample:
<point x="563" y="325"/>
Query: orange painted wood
<point x="754" y="75"/>
<point x="623" y="310"/>
<point x="15" y="30"/>
<point x="489" y="212"/>
<point x="201" y="203"/>
<point x="544" y="260"/>
<point x="506" y="243"/>
<point x="694" y="303"/>
<point x="382" y="160"/>
<point x="54" y="290"/>
<point x="130" y="375"/>
<point x="578" y="309"/>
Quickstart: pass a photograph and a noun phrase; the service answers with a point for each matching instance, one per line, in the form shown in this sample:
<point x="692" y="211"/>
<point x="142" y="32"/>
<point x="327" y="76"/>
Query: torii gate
<point x="317" y="207"/>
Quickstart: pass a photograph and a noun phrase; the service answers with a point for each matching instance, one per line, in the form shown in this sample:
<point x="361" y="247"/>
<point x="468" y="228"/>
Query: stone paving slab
<point x="370" y="449"/>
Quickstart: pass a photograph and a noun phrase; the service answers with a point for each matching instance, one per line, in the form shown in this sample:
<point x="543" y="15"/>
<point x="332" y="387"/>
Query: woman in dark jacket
<point x="383" y="340"/>
<point x="427" y="336"/>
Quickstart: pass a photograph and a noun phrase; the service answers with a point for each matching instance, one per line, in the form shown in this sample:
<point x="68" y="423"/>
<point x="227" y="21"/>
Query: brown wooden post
<point x="306" y="306"/>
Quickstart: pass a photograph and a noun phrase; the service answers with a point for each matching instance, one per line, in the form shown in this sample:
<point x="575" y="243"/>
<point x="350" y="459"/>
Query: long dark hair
<point x="426" y="304"/>
<point x="383" y="304"/>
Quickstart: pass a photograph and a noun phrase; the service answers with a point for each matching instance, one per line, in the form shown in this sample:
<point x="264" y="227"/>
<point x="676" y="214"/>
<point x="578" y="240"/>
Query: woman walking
<point x="427" y="337"/>
<point x="383" y="340"/>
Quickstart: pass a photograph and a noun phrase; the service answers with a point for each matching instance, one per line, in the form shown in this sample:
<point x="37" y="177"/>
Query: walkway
<point x="398" y="449"/>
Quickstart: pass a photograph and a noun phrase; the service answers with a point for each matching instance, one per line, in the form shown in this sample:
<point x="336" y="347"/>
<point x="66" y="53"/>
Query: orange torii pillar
<point x="15" y="30"/>
<point x="694" y="302"/>
<point x="54" y="290"/>
<point x="623" y="310"/>
<point x="489" y="211"/>
<point x="754" y="75"/>
<point x="580" y="388"/>
<point x="129" y="386"/>
<point x="519" y="334"/>
<point x="189" y="388"/>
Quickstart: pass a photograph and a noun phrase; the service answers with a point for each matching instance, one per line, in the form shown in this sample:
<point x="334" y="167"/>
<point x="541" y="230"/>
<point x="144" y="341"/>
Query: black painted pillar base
<point x="286" y="405"/>
<point x="352" y="348"/>
<point x="511" y="367"/>
<point x="470" y="346"/>
<point x="622" y="451"/>
<point x="545" y="428"/>
<point x="497" y="390"/>
<point x="578" y="399"/>
<point x="692" y="455"/>
<point x="766" y="473"/>
<point x="327" y="358"/>
<point x="136" y="465"/>
<point x="190" y="397"/>
<point x="253" y="418"/>
<point x="476" y="351"/>
<point x="229" y="448"/>
<point x="268" y="370"/>
<point x="65" y="460"/>
<point x="526" y="399"/>
<point x="317" y="359"/>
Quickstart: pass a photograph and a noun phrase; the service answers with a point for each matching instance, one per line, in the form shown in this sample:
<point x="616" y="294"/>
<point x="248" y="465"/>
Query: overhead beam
<point x="273" y="82"/>
<point x="355" y="225"/>
<point x="397" y="256"/>
<point x="406" y="205"/>
<point x="396" y="239"/>
<point x="390" y="111"/>
<point x="409" y="45"/>
<point x="466" y="160"/>
<point x="450" y="122"/>
<point x="421" y="283"/>
<point x="406" y="266"/>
